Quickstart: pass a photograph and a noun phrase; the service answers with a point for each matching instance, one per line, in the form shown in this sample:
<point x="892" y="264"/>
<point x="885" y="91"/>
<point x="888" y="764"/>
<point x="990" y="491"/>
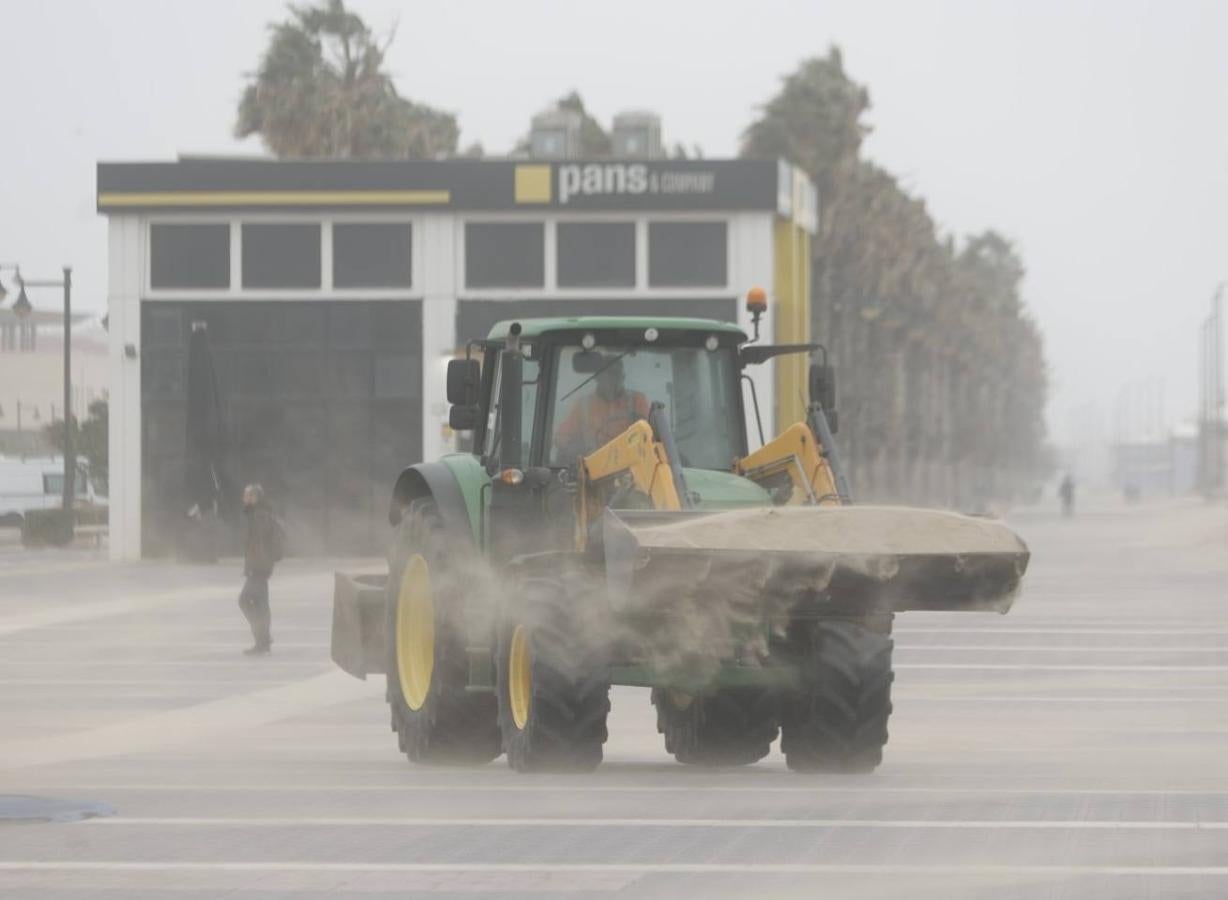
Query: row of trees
<point x="89" y="441"/>
<point x="322" y="91"/>
<point x="943" y="381"/>
<point x="943" y="375"/>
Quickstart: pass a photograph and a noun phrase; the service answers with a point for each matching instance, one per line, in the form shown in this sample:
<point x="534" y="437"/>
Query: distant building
<point x="1165" y="466"/>
<point x="32" y="372"/>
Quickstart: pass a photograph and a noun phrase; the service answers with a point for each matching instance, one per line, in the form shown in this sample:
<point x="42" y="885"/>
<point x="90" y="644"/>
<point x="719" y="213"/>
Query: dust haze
<point x="1001" y="671"/>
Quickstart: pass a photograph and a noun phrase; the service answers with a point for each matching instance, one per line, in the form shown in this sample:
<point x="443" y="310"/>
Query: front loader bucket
<point x="838" y="560"/>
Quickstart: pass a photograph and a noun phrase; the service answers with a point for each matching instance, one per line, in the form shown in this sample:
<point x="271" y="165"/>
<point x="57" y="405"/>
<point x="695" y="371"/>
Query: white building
<point x="335" y="292"/>
<point x="32" y="371"/>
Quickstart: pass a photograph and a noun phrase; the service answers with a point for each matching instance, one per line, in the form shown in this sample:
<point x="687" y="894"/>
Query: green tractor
<point x="609" y="526"/>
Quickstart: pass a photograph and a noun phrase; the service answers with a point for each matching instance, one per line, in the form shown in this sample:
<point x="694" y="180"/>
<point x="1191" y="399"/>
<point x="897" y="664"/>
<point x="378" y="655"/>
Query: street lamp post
<point x="1211" y="415"/>
<point x="22" y="308"/>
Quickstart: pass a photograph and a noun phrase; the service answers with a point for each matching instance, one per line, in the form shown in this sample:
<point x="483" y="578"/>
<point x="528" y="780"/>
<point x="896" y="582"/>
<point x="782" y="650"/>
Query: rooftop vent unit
<point x="637" y="135"/>
<point x="555" y="134"/>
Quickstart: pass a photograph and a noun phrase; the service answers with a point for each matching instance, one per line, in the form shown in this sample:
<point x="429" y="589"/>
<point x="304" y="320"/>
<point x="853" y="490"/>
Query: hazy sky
<point x="1094" y="134"/>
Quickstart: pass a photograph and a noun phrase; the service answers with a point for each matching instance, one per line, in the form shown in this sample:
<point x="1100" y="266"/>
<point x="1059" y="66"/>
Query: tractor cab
<point x="553" y="391"/>
<point x="574" y="416"/>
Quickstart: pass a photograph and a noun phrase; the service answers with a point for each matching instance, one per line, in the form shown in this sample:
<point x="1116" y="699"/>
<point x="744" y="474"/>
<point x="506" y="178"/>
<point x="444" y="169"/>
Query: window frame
<point x="735" y="247"/>
<point x="413" y="261"/>
<point x="628" y="222"/>
<point x="273" y="223"/>
<point x="189" y="222"/>
<point x="687" y="220"/>
<point x="462" y="256"/>
<point x="235" y="289"/>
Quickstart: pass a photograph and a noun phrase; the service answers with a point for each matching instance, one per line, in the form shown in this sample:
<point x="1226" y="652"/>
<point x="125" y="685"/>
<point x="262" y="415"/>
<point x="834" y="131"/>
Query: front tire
<point x="839" y="717"/>
<point x="553" y="682"/>
<point x="729" y="727"/>
<point x="435" y="719"/>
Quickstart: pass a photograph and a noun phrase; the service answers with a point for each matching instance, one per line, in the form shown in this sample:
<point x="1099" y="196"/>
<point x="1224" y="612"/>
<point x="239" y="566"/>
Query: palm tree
<point x="321" y="92"/>
<point x="943" y="385"/>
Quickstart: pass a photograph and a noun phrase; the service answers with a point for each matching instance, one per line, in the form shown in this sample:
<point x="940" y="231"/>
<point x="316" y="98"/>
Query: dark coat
<point x="260" y="544"/>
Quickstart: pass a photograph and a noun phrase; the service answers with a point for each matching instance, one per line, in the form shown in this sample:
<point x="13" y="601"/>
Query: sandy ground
<point x="1077" y="747"/>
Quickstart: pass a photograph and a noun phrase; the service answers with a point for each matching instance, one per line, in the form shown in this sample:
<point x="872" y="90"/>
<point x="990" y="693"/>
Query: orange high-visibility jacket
<point x="593" y="420"/>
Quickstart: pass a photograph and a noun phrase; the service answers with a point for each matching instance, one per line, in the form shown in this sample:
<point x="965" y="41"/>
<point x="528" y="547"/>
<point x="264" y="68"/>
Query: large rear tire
<point x="730" y="727"/>
<point x="838" y="721"/>
<point x="553" y="681"/>
<point x="436" y="720"/>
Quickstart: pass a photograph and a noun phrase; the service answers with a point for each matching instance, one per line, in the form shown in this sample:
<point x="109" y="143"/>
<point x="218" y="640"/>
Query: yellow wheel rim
<point x="415" y="632"/>
<point x="520" y="676"/>
<point x="680" y="700"/>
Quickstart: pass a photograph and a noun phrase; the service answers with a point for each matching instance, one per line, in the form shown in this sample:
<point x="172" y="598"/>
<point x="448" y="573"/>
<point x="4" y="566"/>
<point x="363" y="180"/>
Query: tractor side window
<point x="528" y="406"/>
<point x="492" y="414"/>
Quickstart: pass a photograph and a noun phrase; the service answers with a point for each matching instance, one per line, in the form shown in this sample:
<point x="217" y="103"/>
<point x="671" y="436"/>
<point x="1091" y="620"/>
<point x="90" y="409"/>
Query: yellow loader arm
<point x="633" y="461"/>
<point x="793" y="460"/>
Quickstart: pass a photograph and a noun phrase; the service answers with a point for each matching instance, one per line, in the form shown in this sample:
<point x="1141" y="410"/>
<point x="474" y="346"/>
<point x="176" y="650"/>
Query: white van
<point x="38" y="483"/>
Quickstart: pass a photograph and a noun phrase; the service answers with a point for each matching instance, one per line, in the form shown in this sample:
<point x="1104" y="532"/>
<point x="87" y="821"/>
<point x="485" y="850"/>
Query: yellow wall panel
<point x="792" y="312"/>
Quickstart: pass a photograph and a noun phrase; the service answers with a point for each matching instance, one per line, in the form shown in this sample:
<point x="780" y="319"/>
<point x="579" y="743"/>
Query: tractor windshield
<point x="595" y="402"/>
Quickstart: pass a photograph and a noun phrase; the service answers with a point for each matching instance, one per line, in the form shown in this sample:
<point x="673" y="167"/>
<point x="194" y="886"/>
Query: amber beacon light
<point x="756" y="305"/>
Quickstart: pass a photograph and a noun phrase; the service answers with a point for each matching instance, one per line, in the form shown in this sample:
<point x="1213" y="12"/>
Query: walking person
<point x="262" y="548"/>
<point x="1067" y="492"/>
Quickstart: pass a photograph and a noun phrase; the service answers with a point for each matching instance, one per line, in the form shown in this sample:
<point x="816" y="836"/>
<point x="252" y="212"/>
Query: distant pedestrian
<point x="1067" y="492"/>
<point x="263" y="546"/>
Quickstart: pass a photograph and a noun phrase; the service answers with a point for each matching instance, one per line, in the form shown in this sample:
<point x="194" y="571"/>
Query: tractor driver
<point x="601" y="415"/>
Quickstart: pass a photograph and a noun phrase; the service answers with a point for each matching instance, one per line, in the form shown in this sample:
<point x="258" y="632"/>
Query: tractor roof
<point x="535" y="327"/>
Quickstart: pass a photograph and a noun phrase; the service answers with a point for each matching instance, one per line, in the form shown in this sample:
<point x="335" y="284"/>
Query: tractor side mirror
<point x="463" y="418"/>
<point x="823" y="387"/>
<point x="464" y="380"/>
<point x="464" y="377"/>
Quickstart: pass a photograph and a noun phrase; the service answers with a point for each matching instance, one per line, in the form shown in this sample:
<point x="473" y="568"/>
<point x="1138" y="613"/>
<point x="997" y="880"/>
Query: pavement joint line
<point x="648" y="868"/>
<point x="1049" y="648"/>
<point x="867" y="790"/>
<point x="206" y="690"/>
<point x="166" y="628"/>
<point x="76" y="612"/>
<point x="132" y="682"/>
<point x="54" y="568"/>
<point x="1007" y="698"/>
<point x="187" y="724"/>
<point x="267" y="662"/>
<point x="546" y="822"/>
<point x="1073" y="630"/>
<point x="290" y="663"/>
<point x="221" y="645"/>
<point x="1062" y="667"/>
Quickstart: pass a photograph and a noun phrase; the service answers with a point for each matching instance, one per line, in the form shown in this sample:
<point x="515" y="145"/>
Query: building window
<point x="189" y="257"/>
<point x="505" y="255"/>
<point x="596" y="254"/>
<point x="687" y="254"/>
<point x="281" y="256"/>
<point x="372" y="255"/>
